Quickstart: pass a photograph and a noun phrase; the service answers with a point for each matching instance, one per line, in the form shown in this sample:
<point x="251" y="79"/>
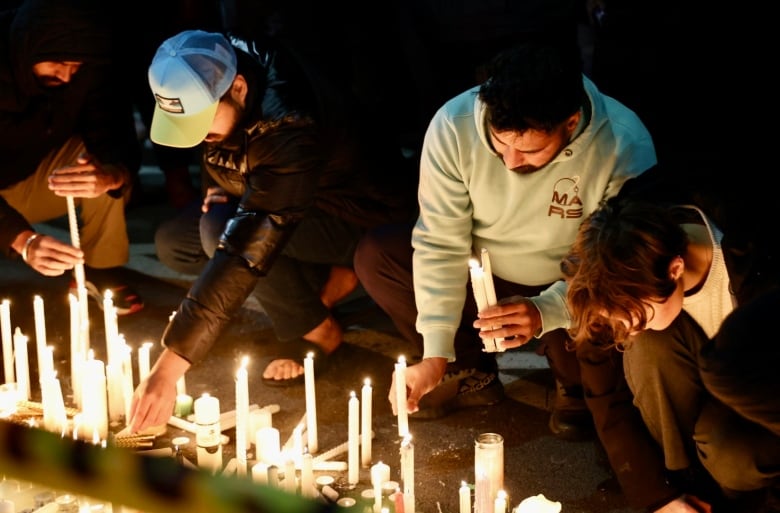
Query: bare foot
<point x="341" y="282"/>
<point x="327" y="335"/>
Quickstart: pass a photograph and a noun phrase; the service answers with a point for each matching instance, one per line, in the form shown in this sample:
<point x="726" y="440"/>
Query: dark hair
<point x="618" y="262"/>
<point x="535" y="85"/>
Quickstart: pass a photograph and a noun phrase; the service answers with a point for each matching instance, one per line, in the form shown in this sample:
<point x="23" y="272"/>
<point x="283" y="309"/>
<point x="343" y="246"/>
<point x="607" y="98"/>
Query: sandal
<point x="297" y="351"/>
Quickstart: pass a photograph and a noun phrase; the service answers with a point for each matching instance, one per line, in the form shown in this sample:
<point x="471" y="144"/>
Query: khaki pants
<point x="102" y="227"/>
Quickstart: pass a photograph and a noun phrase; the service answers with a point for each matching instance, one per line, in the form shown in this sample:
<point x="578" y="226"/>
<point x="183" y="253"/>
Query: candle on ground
<point x="8" y="348"/>
<point x="500" y="502"/>
<point x="268" y="445"/>
<point x="366" y="401"/>
<point x="40" y="333"/>
<point x="400" y="396"/>
<point x="242" y="416"/>
<point x="353" y="456"/>
<point x="311" y="404"/>
<point x="111" y="327"/>
<point x="407" y="472"/>
<point x="144" y="360"/>
<point x="307" y="477"/>
<point x="379" y="474"/>
<point x="21" y="359"/>
<point x="464" y="498"/>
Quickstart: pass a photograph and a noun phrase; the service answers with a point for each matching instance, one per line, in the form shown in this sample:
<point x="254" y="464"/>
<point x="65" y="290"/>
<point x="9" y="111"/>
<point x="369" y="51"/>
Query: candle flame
<point x="108" y="295"/>
<point x="367" y="382"/>
<point x="244" y="362"/>
<point x="352" y="394"/>
<point x="474" y="263"/>
<point x="402" y="359"/>
<point x="407" y="440"/>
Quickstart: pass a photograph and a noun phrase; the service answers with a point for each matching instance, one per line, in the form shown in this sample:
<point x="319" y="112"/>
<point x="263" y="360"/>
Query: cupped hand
<point x="515" y="319"/>
<point x="85" y="179"/>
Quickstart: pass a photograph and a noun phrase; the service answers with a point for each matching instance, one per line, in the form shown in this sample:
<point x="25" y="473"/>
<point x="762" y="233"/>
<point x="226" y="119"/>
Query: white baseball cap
<point x="190" y="72"/>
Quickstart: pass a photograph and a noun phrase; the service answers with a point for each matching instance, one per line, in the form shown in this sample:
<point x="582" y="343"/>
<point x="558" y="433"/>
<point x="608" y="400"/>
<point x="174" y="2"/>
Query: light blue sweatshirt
<point x="469" y="200"/>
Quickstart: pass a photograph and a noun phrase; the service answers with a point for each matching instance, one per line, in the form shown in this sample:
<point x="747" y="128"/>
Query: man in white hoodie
<point x="511" y="166"/>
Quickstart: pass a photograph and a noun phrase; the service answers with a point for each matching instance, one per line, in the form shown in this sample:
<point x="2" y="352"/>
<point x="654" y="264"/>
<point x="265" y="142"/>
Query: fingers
<point x="51" y="257"/>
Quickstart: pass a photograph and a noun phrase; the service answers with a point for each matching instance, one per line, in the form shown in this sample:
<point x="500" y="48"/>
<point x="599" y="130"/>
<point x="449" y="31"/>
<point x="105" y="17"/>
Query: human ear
<point x="676" y="268"/>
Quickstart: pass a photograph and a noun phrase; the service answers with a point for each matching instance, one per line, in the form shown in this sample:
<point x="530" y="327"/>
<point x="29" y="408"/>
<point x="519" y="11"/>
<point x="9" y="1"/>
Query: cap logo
<point x="172" y="105"/>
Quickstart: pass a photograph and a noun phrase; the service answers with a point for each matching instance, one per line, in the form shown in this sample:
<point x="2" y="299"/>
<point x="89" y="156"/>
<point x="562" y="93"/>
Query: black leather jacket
<point x="294" y="148"/>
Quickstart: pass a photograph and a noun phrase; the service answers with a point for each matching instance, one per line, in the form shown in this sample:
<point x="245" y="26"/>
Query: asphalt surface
<point x="535" y="462"/>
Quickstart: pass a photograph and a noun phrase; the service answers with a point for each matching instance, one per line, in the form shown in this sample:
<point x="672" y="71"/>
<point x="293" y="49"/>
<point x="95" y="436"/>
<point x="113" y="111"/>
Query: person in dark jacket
<point x="677" y="294"/>
<point x="304" y="196"/>
<point x="66" y="131"/>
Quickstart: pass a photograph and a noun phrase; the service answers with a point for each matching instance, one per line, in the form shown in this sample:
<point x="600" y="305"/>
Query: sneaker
<point x="570" y="419"/>
<point x="126" y="300"/>
<point x="463" y="388"/>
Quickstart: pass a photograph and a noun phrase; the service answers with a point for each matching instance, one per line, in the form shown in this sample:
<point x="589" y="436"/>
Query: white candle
<point x="407" y="472"/>
<point x="40" y="332"/>
<point x="289" y="483"/>
<point x="8" y="348"/>
<point x="366" y="401"/>
<point x="464" y="498"/>
<point x="144" y="360"/>
<point x="181" y="385"/>
<point x="484" y="295"/>
<point x="94" y="397"/>
<point x="111" y="327"/>
<point x="55" y="419"/>
<point x="75" y="348"/>
<point x="242" y="415"/>
<point x="22" y="365"/>
<point x="307" y="477"/>
<point x="400" y="396"/>
<point x="260" y="473"/>
<point x="311" y="403"/>
<point x="127" y="377"/>
<point x="268" y="445"/>
<point x="380" y="473"/>
<point x="353" y="456"/>
<point x="500" y="502"/>
<point x="47" y="361"/>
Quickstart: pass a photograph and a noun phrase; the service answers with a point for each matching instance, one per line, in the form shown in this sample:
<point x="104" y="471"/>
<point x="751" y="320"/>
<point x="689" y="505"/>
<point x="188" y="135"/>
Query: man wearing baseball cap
<point x="291" y="193"/>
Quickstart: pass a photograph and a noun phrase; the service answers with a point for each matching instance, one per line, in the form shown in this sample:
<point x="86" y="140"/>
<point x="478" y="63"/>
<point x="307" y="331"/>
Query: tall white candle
<point x="290" y="483"/>
<point x="8" y="348"/>
<point x="366" y="406"/>
<point x="75" y="348"/>
<point x="400" y="396"/>
<point x="127" y="377"/>
<point x="311" y="403"/>
<point x="94" y="397"/>
<point x="484" y="296"/>
<point x="22" y="365"/>
<point x="407" y="472"/>
<point x="268" y="445"/>
<point x="47" y="361"/>
<point x="242" y="415"/>
<point x="40" y="332"/>
<point x="353" y="456"/>
<point x="144" y="360"/>
<point x="464" y="498"/>
<point x="111" y="327"/>
<point x="181" y="385"/>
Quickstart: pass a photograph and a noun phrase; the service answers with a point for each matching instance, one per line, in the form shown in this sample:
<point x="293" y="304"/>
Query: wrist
<point x="28" y="244"/>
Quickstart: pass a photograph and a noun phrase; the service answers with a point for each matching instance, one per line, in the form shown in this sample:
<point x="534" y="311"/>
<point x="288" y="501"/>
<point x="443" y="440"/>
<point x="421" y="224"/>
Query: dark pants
<point x="290" y="292"/>
<point x="383" y="263"/>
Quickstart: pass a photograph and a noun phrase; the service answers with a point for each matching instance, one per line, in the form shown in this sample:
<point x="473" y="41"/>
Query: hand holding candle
<point x="484" y="293"/>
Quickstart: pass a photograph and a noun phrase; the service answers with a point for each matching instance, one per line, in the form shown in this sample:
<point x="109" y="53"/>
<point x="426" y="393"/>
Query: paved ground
<point x="535" y="462"/>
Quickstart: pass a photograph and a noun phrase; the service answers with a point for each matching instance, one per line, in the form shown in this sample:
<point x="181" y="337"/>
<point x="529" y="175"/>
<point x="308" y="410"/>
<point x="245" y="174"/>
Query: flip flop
<point x="297" y="351"/>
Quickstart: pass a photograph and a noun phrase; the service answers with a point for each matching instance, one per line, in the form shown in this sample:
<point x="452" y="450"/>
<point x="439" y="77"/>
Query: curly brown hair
<point x="618" y="263"/>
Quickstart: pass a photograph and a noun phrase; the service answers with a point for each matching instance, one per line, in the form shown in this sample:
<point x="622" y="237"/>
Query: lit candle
<point x="500" y="502"/>
<point x="94" y="395"/>
<point x="8" y="348"/>
<point x="464" y="496"/>
<point x="353" y="456"/>
<point x="144" y="360"/>
<point x="407" y="472"/>
<point x="181" y="385"/>
<point x="242" y="415"/>
<point x="40" y="332"/>
<point x="311" y="403"/>
<point x="400" y="396"/>
<point x="127" y="380"/>
<point x="379" y="474"/>
<point x="22" y="365"/>
<point x="289" y="483"/>
<point x="366" y="400"/>
<point x="47" y="361"/>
